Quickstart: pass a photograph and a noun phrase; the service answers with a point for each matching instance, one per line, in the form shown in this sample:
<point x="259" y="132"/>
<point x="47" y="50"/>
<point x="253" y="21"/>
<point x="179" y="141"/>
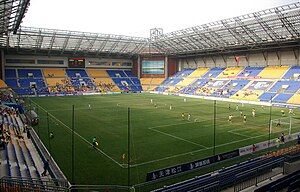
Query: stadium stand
<point x="250" y="71"/>
<point x="290" y="182"/>
<point x="10" y="74"/>
<point x="285" y="87"/>
<point x="27" y="73"/>
<point x="273" y="72"/>
<point x="97" y="73"/>
<point x="54" y="73"/>
<point x="293" y="73"/>
<point x="2" y="84"/>
<point x="198" y="72"/>
<point x="295" y="99"/>
<point x="225" y="177"/>
<point x="251" y="37"/>
<point x="266" y="96"/>
<point x="149" y="84"/>
<point x="213" y="72"/>
<point x="230" y="72"/>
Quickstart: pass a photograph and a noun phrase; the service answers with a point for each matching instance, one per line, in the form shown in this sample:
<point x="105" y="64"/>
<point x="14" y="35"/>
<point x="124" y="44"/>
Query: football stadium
<point x="213" y="107"/>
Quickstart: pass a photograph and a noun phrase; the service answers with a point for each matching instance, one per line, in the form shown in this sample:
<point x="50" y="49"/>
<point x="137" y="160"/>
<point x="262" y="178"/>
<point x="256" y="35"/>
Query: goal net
<point x="284" y="124"/>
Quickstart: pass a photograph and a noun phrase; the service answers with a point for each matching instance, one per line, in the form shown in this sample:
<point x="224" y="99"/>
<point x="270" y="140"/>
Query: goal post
<point x="281" y="124"/>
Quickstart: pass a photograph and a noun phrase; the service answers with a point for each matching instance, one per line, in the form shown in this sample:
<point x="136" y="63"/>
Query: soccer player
<point x="253" y="112"/>
<point x="277" y="142"/>
<point x="245" y="118"/>
<point x="282" y="138"/>
<point x="171" y="107"/>
<point x="189" y="117"/>
<point x="95" y="143"/>
<point x="182" y="116"/>
<point x="282" y="112"/>
<point x="151" y="101"/>
<point x="230" y="118"/>
<point x="291" y="111"/>
<point x="241" y="113"/>
<point x="123" y="157"/>
<point x="51" y="135"/>
<point x="237" y="107"/>
<point x="184" y="100"/>
<point x="89" y="106"/>
<point x="229" y="107"/>
<point x="278" y="123"/>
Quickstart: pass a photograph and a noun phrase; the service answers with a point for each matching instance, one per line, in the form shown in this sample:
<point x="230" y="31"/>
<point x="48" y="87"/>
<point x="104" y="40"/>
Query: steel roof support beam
<point x="78" y="44"/>
<point x="38" y="42"/>
<point x="101" y="48"/>
<point x="65" y="44"/>
<point x="51" y="43"/>
<point x="286" y="23"/>
<point x="269" y="31"/>
<point x="23" y="6"/>
<point x="254" y="37"/>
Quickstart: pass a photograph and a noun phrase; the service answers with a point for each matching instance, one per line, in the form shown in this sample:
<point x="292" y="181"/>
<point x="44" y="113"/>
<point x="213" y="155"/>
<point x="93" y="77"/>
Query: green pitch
<point x="160" y="135"/>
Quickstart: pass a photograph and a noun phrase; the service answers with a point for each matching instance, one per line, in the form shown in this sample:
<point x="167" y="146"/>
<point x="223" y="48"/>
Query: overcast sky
<point x="137" y="17"/>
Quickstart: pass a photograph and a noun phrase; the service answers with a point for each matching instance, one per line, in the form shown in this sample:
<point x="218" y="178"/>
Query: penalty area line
<point x="89" y="143"/>
<point x="232" y="132"/>
<point x="179" y="138"/>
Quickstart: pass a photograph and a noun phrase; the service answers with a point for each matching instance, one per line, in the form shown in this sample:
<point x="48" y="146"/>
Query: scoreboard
<point x="76" y="62"/>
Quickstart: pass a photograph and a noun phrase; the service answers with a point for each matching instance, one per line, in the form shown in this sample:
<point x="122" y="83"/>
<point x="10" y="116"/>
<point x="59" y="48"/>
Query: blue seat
<point x="10" y="74"/>
<point x="266" y="96"/>
<point x="250" y="71"/>
<point x="74" y="72"/>
<point x="282" y="98"/>
<point x="214" y="72"/>
<point x="23" y="73"/>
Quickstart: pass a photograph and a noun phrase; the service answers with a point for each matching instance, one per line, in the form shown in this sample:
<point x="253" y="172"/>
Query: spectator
<point x="46" y="167"/>
<point x="253" y="148"/>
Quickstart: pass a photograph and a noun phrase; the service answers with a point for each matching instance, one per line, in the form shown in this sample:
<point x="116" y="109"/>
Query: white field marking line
<point x="187" y="153"/>
<point x="106" y="155"/>
<point x="238" y="134"/>
<point x="169" y="125"/>
<point x="179" y="138"/>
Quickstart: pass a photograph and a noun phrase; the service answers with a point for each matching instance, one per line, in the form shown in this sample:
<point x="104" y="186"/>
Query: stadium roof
<point x="273" y="28"/>
<point x="276" y="27"/>
<point x="11" y="15"/>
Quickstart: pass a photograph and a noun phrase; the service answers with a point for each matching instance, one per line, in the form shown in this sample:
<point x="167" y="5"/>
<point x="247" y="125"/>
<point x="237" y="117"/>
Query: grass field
<point x="160" y="137"/>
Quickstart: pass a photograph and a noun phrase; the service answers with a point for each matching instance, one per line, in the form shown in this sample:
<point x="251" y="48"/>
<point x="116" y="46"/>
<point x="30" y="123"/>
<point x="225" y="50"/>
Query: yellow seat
<point x="97" y="73"/>
<point x="295" y="99"/>
<point x="54" y="73"/>
<point x="230" y="71"/>
<point x="273" y="72"/>
<point x="2" y="83"/>
<point x="250" y="95"/>
<point x="198" y="72"/>
<point x="185" y="82"/>
<point x="55" y="81"/>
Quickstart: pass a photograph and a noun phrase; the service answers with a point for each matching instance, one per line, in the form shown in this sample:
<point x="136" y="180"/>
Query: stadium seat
<point x="230" y="72"/>
<point x="273" y="72"/>
<point x="50" y="73"/>
<point x="97" y="73"/>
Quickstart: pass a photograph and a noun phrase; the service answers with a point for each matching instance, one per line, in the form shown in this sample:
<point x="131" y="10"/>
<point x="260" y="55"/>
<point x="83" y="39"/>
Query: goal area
<point x="283" y="124"/>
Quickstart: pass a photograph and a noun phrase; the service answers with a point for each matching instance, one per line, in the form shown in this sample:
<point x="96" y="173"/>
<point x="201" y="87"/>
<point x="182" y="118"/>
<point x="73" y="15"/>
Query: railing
<point x="100" y="188"/>
<point x="256" y="175"/>
<point x="17" y="184"/>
